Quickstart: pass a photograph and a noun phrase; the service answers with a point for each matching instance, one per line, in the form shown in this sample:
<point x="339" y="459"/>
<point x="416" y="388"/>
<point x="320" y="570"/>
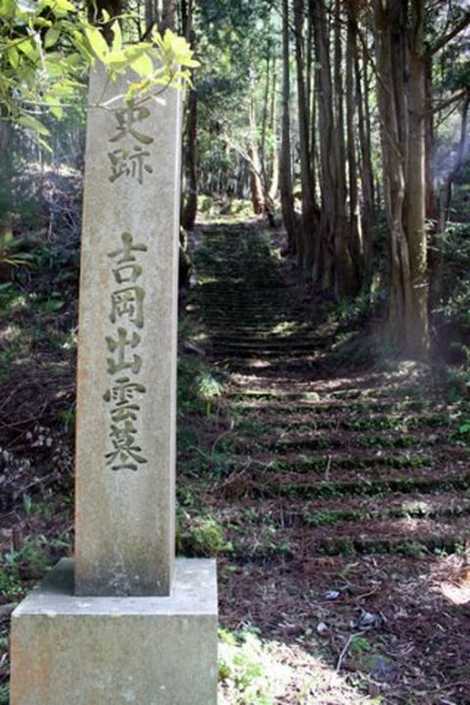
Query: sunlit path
<point x="342" y="489"/>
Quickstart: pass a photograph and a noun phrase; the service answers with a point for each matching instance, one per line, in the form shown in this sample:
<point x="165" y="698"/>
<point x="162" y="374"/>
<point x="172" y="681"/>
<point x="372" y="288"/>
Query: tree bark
<point x="6" y="175"/>
<point x="274" y="187"/>
<point x="324" y="270"/>
<point x="309" y="218"/>
<point x="401" y="97"/>
<point x="189" y="212"/>
<point x="415" y="205"/>
<point x="357" y="244"/>
<point x="256" y="182"/>
<point x="345" y="284"/>
<point x="368" y="125"/>
<point x="367" y="178"/>
<point x="152" y="18"/>
<point x="431" y="201"/>
<point x="191" y="191"/>
<point x="264" y="122"/>
<point x="169" y="14"/>
<point x="287" y="199"/>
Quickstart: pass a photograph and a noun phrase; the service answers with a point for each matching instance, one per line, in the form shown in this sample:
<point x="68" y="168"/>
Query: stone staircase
<point x="322" y="460"/>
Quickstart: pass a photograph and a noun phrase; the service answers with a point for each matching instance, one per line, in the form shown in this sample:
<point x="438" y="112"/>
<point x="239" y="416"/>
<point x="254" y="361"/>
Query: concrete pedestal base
<point x="69" y="650"/>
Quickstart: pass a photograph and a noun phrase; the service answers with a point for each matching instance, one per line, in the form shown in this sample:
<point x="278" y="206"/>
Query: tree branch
<point x="453" y="99"/>
<point x="446" y="38"/>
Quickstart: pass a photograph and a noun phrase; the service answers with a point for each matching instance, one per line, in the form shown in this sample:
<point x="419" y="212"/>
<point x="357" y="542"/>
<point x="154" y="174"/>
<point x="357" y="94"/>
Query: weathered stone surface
<point x="68" y="650"/>
<point x="128" y="345"/>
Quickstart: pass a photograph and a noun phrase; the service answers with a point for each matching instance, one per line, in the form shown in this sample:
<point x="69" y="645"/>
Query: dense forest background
<point x="345" y="121"/>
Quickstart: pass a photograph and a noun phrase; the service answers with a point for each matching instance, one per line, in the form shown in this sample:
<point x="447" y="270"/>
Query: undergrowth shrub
<point x="241" y="668"/>
<point x="198" y="388"/>
<point x="248" y="672"/>
<point x="200" y="537"/>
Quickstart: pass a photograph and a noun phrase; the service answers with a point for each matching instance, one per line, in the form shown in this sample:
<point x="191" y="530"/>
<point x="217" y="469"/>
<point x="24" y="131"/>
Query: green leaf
<point x="29" y="49"/>
<point x="117" y="40"/>
<point x="55" y="65"/>
<point x="41" y="22"/>
<point x="32" y="123"/>
<point x="97" y="43"/>
<point x="117" y="59"/>
<point x="52" y="37"/>
<point x="55" y="108"/>
<point x="74" y="60"/>
<point x="13" y="57"/>
<point x="82" y="46"/>
<point x="7" y="8"/>
<point x="61" y="6"/>
<point x="57" y="111"/>
<point x="143" y="66"/>
<point x="42" y="143"/>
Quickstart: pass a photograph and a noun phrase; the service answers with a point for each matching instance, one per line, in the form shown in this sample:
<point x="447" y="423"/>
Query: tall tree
<point x="324" y="266"/>
<point x="274" y="186"/>
<point x="399" y="34"/>
<point x="287" y="199"/>
<point x="345" y="282"/>
<point x="191" y="132"/>
<point x="364" y="129"/>
<point x="356" y="229"/>
<point x="256" y="177"/>
<point x="310" y="220"/>
<point x="169" y="15"/>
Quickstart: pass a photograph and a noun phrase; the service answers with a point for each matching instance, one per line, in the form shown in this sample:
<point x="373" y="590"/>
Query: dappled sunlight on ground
<point x="341" y="483"/>
<point x="270" y="671"/>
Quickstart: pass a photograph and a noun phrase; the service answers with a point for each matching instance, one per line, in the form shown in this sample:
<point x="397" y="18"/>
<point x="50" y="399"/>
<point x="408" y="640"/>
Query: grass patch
<point x="200" y="536"/>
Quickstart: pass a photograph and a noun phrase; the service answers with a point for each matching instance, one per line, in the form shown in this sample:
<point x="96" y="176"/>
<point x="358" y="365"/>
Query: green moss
<point x="200" y="536"/>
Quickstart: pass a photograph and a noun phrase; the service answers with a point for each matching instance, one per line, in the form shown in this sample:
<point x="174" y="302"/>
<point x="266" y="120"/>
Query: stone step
<point x="268" y="306"/>
<point x="336" y="462"/>
<point x="240" y="295"/>
<point x="324" y="405"/>
<point x="266" y="390"/>
<point x="243" y="339"/>
<point x="330" y="513"/>
<point x="271" y="345"/>
<point x="430" y="538"/>
<point x="348" y="439"/>
<point x="268" y="354"/>
<point x="270" y="395"/>
<point x="343" y="419"/>
<point x="243" y="318"/>
<point x="287" y="367"/>
<point x="243" y="330"/>
<point x="328" y="489"/>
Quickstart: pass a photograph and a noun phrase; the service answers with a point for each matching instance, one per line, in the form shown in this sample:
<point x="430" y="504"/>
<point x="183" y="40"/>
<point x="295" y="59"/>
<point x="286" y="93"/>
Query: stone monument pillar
<point x="124" y="624"/>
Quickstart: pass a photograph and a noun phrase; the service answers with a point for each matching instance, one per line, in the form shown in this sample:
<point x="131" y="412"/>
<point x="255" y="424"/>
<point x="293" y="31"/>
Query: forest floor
<point x="342" y="486"/>
<point x="333" y="486"/>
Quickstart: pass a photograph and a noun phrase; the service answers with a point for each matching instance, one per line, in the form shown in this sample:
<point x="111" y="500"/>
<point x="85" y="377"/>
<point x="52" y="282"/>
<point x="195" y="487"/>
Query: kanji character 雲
<point x="124" y="391"/>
